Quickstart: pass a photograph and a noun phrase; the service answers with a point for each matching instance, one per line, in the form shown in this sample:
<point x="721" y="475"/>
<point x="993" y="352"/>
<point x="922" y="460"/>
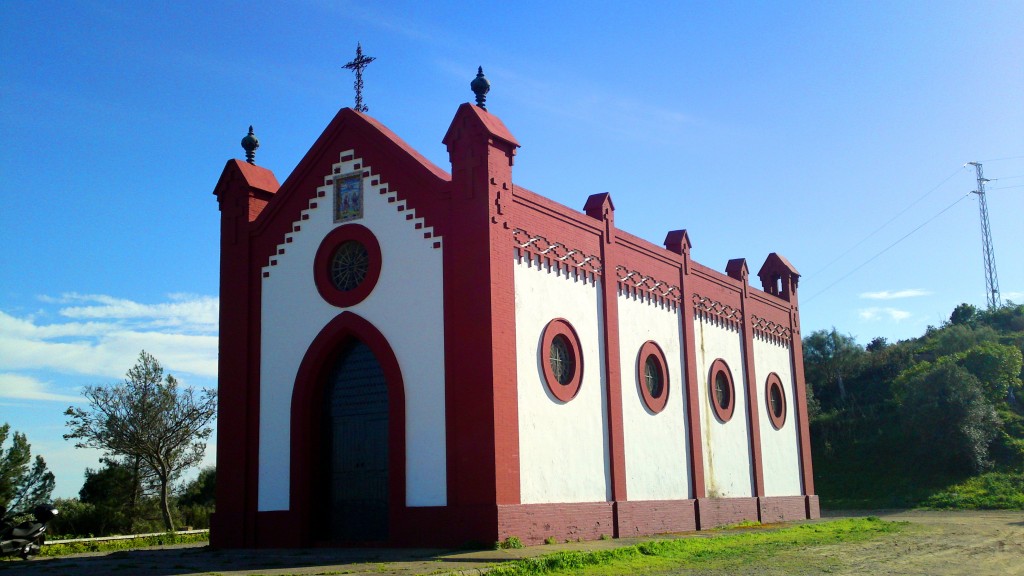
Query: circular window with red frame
<point x="652" y="377"/>
<point x="347" y="265"/>
<point x="775" y="396"/>
<point x="721" y="391"/>
<point x="561" y="359"/>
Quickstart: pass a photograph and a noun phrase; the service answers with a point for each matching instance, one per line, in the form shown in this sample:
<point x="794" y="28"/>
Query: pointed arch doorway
<point x="351" y="360"/>
<point x="356" y="455"/>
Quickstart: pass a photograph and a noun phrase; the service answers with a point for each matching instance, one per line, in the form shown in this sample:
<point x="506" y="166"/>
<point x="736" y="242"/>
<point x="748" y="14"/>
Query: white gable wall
<point x="563" y="447"/>
<point x="657" y="445"/>
<point x="727" y="470"/>
<point x="293" y="313"/>
<point x="779" y="448"/>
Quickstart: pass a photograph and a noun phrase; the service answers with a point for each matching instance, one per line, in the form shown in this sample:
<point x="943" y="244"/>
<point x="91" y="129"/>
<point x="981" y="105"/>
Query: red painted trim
<point x="797" y="358"/>
<point x="723" y="413"/>
<point x="654" y="404"/>
<point x="600" y="207"/>
<point x="325" y="254"/>
<point x="555" y="328"/>
<point x="481" y="399"/>
<point x="678" y="241"/>
<point x="242" y="192"/>
<point x="750" y="373"/>
<point x="307" y="473"/>
<point x="773" y="382"/>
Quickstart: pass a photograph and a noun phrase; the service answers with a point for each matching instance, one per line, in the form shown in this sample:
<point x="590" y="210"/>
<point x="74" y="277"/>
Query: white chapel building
<point x="418" y="357"/>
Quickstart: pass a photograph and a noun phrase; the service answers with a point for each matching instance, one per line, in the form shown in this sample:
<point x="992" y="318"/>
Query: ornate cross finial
<point x="480" y="86"/>
<point x="358" y="64"/>
<point x="250" y="143"/>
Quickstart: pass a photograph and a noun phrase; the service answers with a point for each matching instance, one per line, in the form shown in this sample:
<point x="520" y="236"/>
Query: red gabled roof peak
<point x="491" y="123"/>
<point x="251" y="176"/>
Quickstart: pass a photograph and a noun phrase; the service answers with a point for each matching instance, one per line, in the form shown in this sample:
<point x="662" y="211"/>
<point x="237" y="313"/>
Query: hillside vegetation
<point x="936" y="420"/>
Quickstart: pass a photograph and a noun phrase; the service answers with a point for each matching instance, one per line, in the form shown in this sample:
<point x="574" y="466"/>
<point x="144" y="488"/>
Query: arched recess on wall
<point x="307" y="416"/>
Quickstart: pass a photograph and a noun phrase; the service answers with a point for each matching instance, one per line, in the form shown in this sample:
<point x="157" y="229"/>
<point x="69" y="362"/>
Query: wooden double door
<point x="357" y="427"/>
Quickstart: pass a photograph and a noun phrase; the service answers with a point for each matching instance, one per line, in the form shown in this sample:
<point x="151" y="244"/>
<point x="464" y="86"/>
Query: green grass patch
<point x="734" y="549"/>
<point x="990" y="491"/>
<point x="62" y="549"/>
<point x="510" y="543"/>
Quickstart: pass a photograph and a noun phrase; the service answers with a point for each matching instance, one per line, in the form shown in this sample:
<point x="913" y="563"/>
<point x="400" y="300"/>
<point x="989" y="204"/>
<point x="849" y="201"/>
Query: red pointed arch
<point x="307" y="416"/>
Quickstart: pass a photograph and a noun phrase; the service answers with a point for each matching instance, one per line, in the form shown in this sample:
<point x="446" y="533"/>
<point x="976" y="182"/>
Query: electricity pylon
<point x="991" y="279"/>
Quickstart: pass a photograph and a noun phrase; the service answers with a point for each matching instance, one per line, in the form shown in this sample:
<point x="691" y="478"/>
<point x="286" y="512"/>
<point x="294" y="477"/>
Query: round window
<point x="652" y="377"/>
<point x="347" y="265"/>
<point x="722" y="391"/>
<point x="563" y="364"/>
<point x="561" y="360"/>
<point x="776" y="400"/>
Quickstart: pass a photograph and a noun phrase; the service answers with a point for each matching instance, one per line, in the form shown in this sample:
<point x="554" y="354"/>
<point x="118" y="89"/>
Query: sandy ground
<point x="935" y="544"/>
<point x="939" y="543"/>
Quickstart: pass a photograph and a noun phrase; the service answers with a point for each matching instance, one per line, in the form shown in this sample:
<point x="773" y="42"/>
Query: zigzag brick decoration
<point x="556" y="254"/>
<point x="771" y="331"/>
<point x="632" y="282"/>
<point x="372" y="183"/>
<point x="707" y="308"/>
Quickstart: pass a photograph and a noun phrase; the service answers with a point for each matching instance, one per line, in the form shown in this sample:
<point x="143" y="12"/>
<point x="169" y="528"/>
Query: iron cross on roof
<point x="358" y="65"/>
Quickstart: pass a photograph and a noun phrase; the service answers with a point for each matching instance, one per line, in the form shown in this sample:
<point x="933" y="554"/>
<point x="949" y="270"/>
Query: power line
<point x="886" y="249"/>
<point x="887" y="222"/>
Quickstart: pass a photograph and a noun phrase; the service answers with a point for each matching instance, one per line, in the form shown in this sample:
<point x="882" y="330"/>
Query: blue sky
<point x="798" y="128"/>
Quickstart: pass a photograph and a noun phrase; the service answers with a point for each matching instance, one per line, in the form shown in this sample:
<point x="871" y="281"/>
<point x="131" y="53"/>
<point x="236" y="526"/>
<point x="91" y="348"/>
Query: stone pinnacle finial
<point x="250" y="143"/>
<point x="481" y="86"/>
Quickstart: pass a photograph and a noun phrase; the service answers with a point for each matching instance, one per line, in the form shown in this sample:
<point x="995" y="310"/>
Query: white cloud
<point x="872" y="314"/>
<point x="181" y="333"/>
<point x="892" y="295"/>
<point x="1017" y="297"/>
<point x="184" y="311"/>
<point x="20" y="387"/>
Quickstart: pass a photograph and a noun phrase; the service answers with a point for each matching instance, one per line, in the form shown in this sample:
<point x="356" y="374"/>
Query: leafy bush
<point x="508" y="543"/>
<point x="991" y="491"/>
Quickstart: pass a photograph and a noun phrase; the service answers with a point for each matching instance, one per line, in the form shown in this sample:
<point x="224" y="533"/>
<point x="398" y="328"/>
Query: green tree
<point x="831" y="359"/>
<point x="150" y="418"/>
<point x="877" y="344"/>
<point x="198" y="499"/>
<point x="23" y="481"/>
<point x="947" y="420"/>
<point x="997" y="367"/>
<point x="958" y="338"/>
<point x="115" y="490"/>
<point x="963" y="314"/>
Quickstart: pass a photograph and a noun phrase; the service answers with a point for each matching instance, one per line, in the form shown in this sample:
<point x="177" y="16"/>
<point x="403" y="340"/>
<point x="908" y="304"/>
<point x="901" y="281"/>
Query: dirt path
<point x="938" y="543"/>
<point x="935" y="544"/>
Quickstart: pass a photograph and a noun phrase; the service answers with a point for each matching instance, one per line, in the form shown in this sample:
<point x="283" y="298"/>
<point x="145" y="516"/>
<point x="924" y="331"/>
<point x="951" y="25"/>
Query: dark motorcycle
<point x="26" y="538"/>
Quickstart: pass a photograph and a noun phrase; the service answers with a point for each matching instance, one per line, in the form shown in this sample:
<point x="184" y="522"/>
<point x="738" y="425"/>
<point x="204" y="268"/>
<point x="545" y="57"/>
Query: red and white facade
<point x="471" y="283"/>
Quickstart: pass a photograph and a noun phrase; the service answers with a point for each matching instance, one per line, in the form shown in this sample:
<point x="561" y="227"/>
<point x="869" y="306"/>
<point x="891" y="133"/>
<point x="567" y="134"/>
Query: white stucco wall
<point x="779" y="448"/>
<point x="563" y="447"/>
<point x="657" y="445"/>
<point x="406" y="303"/>
<point x="727" y="469"/>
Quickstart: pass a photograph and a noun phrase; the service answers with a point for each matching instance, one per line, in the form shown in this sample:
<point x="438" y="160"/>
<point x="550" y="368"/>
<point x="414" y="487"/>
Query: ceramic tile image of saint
<point x="348" y="197"/>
